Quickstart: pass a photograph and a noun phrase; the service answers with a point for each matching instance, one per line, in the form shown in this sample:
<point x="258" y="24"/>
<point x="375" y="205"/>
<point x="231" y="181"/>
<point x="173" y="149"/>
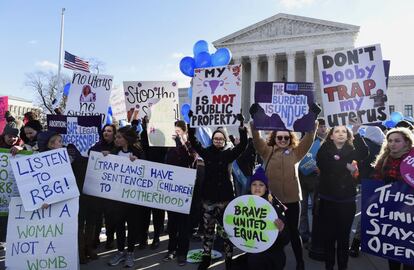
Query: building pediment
<point x="282" y="26"/>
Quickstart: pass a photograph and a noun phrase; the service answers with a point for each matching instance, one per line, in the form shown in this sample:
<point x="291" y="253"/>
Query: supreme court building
<point x="284" y="47"/>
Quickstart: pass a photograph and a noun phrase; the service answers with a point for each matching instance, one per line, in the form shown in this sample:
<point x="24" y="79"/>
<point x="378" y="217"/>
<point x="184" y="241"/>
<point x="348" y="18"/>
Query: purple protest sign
<point x="284" y="106"/>
<point x="82" y="131"/>
<point x="407" y="168"/>
<point x="387" y="215"/>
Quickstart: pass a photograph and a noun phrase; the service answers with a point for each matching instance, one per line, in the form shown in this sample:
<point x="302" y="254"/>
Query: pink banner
<point x="407" y="168"/>
<point x="4" y="104"/>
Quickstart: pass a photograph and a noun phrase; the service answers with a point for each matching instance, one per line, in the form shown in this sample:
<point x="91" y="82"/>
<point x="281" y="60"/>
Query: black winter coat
<point x="217" y="185"/>
<point x="336" y="182"/>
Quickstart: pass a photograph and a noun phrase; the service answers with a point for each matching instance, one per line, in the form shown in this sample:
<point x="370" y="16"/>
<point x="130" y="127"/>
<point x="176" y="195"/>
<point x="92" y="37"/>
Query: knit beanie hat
<point x="11" y="129"/>
<point x="375" y="134"/>
<point x="43" y="139"/>
<point x="406" y="124"/>
<point x="34" y="124"/>
<point x="222" y="131"/>
<point x="259" y="175"/>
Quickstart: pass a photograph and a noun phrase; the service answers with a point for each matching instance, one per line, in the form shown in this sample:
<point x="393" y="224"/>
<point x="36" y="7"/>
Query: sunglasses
<point x="280" y="138"/>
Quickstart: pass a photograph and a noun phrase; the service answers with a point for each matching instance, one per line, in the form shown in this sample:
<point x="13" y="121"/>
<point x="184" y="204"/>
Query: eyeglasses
<point x="280" y="138"/>
<point x="218" y="139"/>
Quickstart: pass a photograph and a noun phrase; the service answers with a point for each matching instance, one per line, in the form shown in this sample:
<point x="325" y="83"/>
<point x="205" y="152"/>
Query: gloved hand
<point x="190" y="113"/>
<point x="254" y="109"/>
<point x="315" y="108"/>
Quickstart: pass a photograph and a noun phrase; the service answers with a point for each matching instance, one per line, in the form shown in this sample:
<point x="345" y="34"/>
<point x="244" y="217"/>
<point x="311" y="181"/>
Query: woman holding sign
<point x="399" y="142"/>
<point x="281" y="154"/>
<point x="179" y="225"/>
<point x="126" y="145"/>
<point x="336" y="160"/>
<point x="217" y="188"/>
<point x="104" y="206"/>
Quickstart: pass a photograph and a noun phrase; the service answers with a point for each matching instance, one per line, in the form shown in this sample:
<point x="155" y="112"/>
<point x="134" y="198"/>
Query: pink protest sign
<point x="4" y="104"/>
<point x="407" y="168"/>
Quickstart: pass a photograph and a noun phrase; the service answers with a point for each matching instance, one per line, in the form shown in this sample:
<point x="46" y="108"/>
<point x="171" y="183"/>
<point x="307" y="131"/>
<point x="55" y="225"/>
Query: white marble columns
<point x="309" y="55"/>
<point x="291" y="66"/>
<point x="254" y="60"/>
<point x="271" y="68"/>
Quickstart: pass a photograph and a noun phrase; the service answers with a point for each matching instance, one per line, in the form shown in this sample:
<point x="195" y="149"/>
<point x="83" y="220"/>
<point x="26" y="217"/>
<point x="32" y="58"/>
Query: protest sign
<point x="89" y="95"/>
<point x="117" y="102"/>
<point x="160" y="128"/>
<point x="216" y="99"/>
<point x="8" y="186"/>
<point x="308" y="164"/>
<point x="249" y="223"/>
<point x="82" y="131"/>
<point x="284" y="106"/>
<point x="4" y="107"/>
<point x="353" y="86"/>
<point x="45" y="177"/>
<point x="43" y="238"/>
<point x="196" y="255"/>
<point x="140" y="182"/>
<point x="387" y="215"/>
<point x="407" y="168"/>
<point x="140" y="95"/>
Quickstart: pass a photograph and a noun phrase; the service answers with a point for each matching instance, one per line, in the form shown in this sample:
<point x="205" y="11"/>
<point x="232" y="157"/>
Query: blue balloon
<point x="396" y="117"/>
<point x="221" y="57"/>
<point x="185" y="109"/>
<point x="110" y="110"/>
<point x="186" y="119"/>
<point x="200" y="46"/>
<point x="190" y="92"/>
<point x="203" y="60"/>
<point x="389" y="124"/>
<point x="187" y="65"/>
<point x="109" y="119"/>
<point x="66" y="89"/>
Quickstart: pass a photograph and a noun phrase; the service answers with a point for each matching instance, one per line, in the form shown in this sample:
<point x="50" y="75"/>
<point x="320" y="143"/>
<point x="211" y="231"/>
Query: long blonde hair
<point x="385" y="150"/>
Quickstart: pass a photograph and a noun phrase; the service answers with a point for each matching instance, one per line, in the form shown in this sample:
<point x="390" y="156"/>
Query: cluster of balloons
<point x="395" y="118"/>
<point x="202" y="58"/>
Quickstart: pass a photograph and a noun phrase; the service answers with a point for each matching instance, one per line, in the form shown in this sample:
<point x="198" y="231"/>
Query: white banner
<point x="45" y="177"/>
<point x="44" y="238"/>
<point x="160" y="128"/>
<point x="353" y="86"/>
<point x="140" y="182"/>
<point x="89" y="95"/>
<point x="141" y="95"/>
<point x="249" y="223"/>
<point x="216" y="99"/>
<point x="8" y="186"/>
<point x="118" y="104"/>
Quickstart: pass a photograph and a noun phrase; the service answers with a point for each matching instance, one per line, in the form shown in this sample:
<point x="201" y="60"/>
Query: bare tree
<point x="46" y="87"/>
<point x="96" y="66"/>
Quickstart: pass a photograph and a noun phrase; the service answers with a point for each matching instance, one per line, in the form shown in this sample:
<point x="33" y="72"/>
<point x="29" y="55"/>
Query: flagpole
<point x="61" y="46"/>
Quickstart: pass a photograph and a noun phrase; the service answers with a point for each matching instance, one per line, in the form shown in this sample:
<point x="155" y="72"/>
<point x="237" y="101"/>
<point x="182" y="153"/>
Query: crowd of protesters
<point x="342" y="160"/>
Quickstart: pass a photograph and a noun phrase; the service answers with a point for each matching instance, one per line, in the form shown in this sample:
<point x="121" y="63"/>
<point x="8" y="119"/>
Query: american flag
<point x="76" y="63"/>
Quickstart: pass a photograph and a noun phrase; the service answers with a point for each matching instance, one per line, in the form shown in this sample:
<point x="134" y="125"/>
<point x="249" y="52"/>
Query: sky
<point x="145" y="40"/>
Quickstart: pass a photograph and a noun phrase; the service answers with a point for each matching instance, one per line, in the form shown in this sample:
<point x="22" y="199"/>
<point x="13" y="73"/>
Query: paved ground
<point x="152" y="259"/>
